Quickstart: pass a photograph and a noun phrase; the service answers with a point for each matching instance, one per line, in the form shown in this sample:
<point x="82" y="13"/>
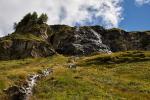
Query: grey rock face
<point x="21" y="49"/>
<point x="68" y="40"/>
<point x="82" y="41"/>
<point x="88" y="39"/>
<point x="120" y="40"/>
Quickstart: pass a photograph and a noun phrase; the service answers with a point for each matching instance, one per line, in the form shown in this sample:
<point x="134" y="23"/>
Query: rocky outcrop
<point x="80" y="41"/>
<point x="68" y="40"/>
<point x="18" y="48"/>
<point x="120" y="40"/>
<point x="88" y="39"/>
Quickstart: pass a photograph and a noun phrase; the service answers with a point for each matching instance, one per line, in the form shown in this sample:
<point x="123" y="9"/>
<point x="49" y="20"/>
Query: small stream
<point x="24" y="92"/>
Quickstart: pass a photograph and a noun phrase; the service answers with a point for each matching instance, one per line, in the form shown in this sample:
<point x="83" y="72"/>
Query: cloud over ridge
<point x="71" y="12"/>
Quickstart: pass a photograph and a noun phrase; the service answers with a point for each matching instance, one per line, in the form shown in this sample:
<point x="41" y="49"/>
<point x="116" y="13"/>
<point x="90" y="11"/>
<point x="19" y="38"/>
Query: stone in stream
<point x="72" y="65"/>
<point x="16" y="93"/>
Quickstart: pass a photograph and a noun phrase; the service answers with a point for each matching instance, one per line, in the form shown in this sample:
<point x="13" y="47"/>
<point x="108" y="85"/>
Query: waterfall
<point x="97" y="35"/>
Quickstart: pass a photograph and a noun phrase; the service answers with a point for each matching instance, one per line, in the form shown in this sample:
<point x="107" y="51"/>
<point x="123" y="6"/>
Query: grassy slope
<point x="15" y="71"/>
<point x="119" y="76"/>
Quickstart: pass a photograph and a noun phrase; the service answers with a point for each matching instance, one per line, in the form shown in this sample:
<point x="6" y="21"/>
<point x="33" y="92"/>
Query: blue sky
<point x="130" y="15"/>
<point x="136" y="17"/>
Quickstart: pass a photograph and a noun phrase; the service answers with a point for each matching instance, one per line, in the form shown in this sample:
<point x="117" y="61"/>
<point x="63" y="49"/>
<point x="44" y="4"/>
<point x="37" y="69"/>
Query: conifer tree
<point x="34" y="18"/>
<point x="23" y="22"/>
<point x="30" y="20"/>
<point x="43" y="18"/>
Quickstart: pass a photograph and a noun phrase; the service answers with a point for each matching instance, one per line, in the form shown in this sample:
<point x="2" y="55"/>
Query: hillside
<point x="59" y="62"/>
<point x="122" y="75"/>
<point x="34" y="38"/>
<point x="68" y="40"/>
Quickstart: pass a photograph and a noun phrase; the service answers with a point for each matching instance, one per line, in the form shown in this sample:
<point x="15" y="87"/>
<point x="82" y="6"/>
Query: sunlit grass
<point x="119" y="76"/>
<point x="13" y="71"/>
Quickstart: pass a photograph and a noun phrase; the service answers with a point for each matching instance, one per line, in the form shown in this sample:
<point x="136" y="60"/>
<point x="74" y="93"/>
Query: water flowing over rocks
<point x="82" y="41"/>
<point x="73" y="41"/>
<point x="24" y="91"/>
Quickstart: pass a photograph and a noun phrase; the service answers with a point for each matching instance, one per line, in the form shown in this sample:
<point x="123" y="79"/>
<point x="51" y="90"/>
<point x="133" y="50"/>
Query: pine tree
<point x="30" y="21"/>
<point x="26" y="19"/>
<point x="43" y="18"/>
<point x="34" y="18"/>
<point x="23" y="22"/>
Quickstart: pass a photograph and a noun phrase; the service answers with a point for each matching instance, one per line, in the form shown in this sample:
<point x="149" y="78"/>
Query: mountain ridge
<point x="46" y="40"/>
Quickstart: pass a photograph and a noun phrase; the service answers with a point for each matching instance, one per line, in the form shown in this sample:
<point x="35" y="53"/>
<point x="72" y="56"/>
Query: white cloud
<point x="142" y="2"/>
<point x="70" y="12"/>
<point x="1" y="33"/>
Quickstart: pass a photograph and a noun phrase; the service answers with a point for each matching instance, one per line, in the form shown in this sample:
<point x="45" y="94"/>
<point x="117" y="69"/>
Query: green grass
<point x="21" y="36"/>
<point x="119" y="76"/>
<point x="116" y="58"/>
<point x="14" y="71"/>
<point x="27" y="36"/>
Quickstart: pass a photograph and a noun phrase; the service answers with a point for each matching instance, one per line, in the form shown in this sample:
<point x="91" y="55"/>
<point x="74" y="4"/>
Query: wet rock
<point x="81" y="41"/>
<point x="16" y="93"/>
<point x="90" y="39"/>
<point x="72" y="65"/>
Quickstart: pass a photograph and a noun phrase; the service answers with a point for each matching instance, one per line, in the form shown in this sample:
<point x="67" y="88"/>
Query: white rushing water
<point x="97" y="35"/>
<point x="24" y="91"/>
